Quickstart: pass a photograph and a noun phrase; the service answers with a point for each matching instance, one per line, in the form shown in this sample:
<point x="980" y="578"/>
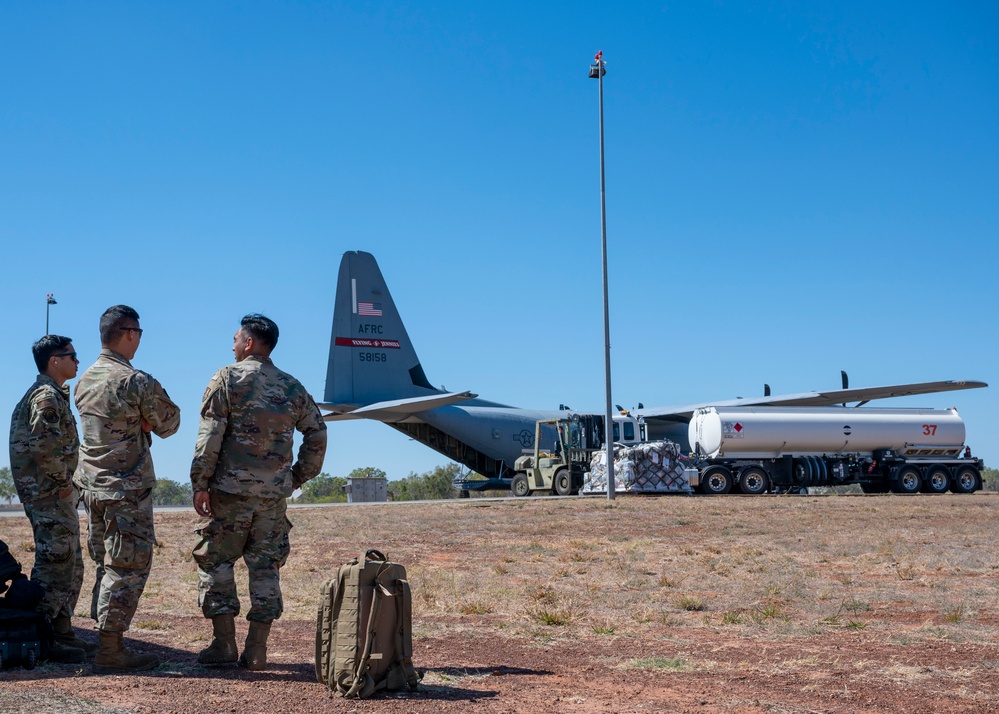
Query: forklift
<point x="573" y="441"/>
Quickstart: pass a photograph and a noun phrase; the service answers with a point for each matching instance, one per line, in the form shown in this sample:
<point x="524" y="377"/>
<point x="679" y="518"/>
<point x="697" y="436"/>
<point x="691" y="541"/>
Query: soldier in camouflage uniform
<point x="120" y="407"/>
<point x="241" y="474"/>
<point x="43" y="456"/>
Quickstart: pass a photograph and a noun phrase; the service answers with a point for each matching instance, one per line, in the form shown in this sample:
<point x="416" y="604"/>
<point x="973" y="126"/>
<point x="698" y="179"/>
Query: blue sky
<point x="792" y="190"/>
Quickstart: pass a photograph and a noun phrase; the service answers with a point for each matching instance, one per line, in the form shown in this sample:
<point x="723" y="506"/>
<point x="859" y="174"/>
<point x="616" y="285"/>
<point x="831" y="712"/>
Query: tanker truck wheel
<point x="717" y="480"/>
<point x="966" y="480"/>
<point x="753" y="481"/>
<point x="909" y="480"/>
<point x="937" y="479"/>
<point x="520" y="486"/>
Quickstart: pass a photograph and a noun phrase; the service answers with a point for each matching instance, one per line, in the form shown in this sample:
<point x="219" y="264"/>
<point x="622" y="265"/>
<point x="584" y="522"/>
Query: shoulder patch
<point x="44" y="398"/>
<point x="215" y="383"/>
<point x="50" y="415"/>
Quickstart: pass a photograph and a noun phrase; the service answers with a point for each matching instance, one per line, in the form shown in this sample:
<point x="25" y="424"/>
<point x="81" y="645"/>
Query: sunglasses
<point x="133" y="329"/>
<point x="71" y="355"/>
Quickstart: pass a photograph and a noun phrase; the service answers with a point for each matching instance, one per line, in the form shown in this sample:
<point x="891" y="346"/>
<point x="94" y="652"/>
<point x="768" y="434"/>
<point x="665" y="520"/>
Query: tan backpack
<point x="364" y="629"/>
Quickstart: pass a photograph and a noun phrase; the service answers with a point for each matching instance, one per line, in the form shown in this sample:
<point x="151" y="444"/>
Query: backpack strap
<point x="341" y="588"/>
<point x="326" y="630"/>
<point x="404" y="653"/>
<point x="363" y="686"/>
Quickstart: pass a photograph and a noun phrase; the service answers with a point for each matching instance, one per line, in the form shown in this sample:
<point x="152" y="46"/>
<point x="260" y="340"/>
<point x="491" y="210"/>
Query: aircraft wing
<point x="829" y="398"/>
<point x="394" y="410"/>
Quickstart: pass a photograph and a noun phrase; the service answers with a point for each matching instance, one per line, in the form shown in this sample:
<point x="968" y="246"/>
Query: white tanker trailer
<point x="760" y="449"/>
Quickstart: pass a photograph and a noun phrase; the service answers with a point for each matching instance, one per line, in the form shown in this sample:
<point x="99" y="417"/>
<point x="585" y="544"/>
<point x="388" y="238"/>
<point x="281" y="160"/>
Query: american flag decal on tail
<point x="369" y="309"/>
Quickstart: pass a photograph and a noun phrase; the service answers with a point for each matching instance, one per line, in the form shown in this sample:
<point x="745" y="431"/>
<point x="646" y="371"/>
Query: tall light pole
<point x="597" y="72"/>
<point x="49" y="300"/>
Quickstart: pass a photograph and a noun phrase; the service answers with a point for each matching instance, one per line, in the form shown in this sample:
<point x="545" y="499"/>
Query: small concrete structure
<point x="366" y="490"/>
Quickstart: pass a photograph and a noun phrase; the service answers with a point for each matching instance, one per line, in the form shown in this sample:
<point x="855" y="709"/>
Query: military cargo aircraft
<point x="374" y="373"/>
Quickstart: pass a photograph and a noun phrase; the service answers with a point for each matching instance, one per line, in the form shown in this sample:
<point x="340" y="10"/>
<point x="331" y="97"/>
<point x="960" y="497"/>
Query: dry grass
<point x="785" y="564"/>
<point x="591" y="567"/>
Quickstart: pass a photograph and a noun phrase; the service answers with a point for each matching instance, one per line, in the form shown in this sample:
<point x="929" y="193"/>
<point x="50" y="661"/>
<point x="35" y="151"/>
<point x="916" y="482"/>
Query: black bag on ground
<point x="24" y="633"/>
<point x="24" y="637"/>
<point x="10" y="569"/>
<point x="364" y="629"/>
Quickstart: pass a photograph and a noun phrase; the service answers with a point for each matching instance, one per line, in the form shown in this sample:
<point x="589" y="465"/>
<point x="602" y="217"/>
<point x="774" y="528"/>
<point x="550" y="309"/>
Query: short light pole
<point x="597" y="72"/>
<point x="49" y="300"/>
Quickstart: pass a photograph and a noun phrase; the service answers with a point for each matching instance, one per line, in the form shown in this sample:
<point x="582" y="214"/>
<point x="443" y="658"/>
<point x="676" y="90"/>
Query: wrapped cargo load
<point x="653" y="467"/>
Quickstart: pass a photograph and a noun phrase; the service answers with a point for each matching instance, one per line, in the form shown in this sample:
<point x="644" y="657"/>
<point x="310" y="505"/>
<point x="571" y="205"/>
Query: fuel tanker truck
<point x="779" y="449"/>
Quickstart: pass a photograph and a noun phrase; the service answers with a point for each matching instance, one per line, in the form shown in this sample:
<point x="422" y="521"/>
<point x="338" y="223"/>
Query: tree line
<point x="430" y="485"/>
<point x="325" y="488"/>
<point x="438" y="483"/>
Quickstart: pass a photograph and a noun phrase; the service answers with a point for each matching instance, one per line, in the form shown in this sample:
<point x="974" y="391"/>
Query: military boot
<point x="114" y="658"/>
<point x="62" y="627"/>
<point x="64" y="654"/>
<point x="254" y="655"/>
<point x="222" y="650"/>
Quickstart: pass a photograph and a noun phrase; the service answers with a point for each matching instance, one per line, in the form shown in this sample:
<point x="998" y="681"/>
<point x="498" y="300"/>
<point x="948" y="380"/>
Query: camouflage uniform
<point x="249" y="415"/>
<point x="43" y="455"/>
<point x="116" y="474"/>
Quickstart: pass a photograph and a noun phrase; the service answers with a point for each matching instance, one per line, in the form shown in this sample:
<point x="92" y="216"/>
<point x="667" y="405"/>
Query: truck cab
<point x="628" y="430"/>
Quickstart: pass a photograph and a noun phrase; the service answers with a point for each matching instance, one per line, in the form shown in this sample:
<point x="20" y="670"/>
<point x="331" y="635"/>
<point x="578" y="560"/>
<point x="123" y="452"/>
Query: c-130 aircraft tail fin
<point x="371" y="359"/>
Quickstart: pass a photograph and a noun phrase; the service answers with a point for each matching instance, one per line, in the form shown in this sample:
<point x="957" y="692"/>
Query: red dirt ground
<point x="902" y="658"/>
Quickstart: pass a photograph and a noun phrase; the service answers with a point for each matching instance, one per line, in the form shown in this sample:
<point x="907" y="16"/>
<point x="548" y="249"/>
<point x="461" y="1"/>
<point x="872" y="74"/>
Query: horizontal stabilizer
<point x="396" y="409"/>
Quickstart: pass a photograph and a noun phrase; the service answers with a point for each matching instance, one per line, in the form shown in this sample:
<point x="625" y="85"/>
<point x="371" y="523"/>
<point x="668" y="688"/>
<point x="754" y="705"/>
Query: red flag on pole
<point x="598" y="55"/>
